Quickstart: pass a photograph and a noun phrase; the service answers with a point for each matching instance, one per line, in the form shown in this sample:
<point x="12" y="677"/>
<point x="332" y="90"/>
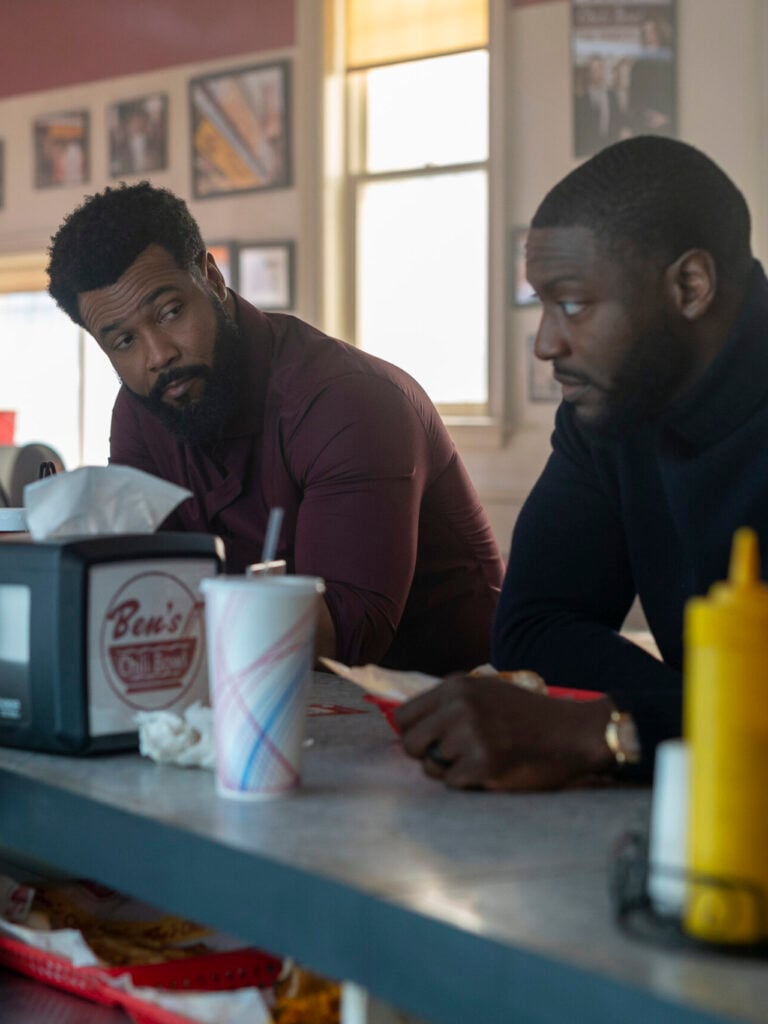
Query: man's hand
<point x="488" y="733"/>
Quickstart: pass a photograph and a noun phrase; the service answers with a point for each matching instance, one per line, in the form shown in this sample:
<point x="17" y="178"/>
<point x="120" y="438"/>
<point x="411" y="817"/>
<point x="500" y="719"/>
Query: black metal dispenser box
<point x="95" y="629"/>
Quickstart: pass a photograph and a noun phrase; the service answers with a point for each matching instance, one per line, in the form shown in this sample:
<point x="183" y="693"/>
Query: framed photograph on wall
<point x="61" y="149"/>
<point x="624" y="69"/>
<point x="226" y="260"/>
<point x="521" y="293"/>
<point x="542" y="386"/>
<point x="240" y="123"/>
<point x="138" y="135"/>
<point x="265" y="274"/>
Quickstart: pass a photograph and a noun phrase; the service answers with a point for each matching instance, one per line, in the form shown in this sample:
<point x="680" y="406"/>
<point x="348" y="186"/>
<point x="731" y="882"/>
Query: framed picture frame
<point x="225" y="254"/>
<point x="137" y="131"/>
<point x="623" y="71"/>
<point x="61" y="144"/>
<point x="265" y="274"/>
<point x="241" y="131"/>
<point x="520" y="291"/>
<point x="542" y="386"/>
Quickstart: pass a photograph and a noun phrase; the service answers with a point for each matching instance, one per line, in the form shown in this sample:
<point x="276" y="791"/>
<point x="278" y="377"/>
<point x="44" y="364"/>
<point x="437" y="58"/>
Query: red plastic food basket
<point x="238" y="968"/>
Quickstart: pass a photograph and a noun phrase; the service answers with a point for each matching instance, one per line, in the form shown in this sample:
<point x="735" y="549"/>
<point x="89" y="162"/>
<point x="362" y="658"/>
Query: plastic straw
<point x="272" y="535"/>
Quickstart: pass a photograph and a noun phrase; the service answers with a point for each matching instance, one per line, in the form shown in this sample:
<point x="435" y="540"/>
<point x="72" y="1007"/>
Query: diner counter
<point x="457" y="907"/>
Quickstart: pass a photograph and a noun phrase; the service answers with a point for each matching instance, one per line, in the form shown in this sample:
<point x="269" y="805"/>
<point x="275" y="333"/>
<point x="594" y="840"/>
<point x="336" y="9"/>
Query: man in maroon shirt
<point x="251" y="411"/>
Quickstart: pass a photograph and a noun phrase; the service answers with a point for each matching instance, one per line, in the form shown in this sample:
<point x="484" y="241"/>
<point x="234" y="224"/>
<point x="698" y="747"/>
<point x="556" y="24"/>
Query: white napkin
<point x="170" y="738"/>
<point x="99" y="500"/>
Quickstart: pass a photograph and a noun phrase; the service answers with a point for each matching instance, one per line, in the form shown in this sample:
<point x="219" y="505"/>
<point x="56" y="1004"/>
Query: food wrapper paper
<point x="243" y="1006"/>
<point x="394" y="685"/>
<point x="99" y="500"/>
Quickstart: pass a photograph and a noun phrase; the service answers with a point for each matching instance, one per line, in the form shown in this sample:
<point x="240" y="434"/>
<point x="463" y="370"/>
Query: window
<point x="55" y="379"/>
<point x="418" y="160"/>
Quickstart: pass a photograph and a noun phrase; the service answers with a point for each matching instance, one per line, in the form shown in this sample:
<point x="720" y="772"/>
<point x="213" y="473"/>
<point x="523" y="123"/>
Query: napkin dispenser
<point x="95" y="629"/>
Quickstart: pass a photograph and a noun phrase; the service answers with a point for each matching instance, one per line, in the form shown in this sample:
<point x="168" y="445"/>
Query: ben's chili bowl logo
<point x="152" y="640"/>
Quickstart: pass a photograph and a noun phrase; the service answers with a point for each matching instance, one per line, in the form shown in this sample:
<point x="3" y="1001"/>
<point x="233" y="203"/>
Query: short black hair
<point x="100" y="239"/>
<point x="652" y="198"/>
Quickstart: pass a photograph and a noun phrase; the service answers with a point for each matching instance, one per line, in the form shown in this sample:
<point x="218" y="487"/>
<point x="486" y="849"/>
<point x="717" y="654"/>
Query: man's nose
<point x="550" y="342"/>
<point x="161" y="350"/>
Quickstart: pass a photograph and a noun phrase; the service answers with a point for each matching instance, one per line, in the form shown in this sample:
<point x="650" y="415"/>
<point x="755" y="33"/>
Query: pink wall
<point x="49" y="43"/>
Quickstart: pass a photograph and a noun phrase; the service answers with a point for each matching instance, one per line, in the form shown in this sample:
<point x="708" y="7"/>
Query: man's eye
<point x="571" y="308"/>
<point x="169" y="312"/>
<point x="122" y="342"/>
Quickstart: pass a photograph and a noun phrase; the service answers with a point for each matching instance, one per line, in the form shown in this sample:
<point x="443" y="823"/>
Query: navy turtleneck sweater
<point x="651" y="515"/>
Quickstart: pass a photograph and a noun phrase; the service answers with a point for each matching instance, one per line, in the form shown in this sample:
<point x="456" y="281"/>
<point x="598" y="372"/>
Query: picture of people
<point x="240" y="131"/>
<point x="624" y="63"/>
<point x="138" y="135"/>
<point x="61" y="149"/>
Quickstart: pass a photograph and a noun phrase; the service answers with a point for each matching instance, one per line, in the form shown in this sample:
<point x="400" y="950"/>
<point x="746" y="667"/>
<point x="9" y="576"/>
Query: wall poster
<point x="623" y="57"/>
<point x="61" y="153"/>
<point x="265" y="274"/>
<point x="138" y="135"/>
<point x="241" y="130"/>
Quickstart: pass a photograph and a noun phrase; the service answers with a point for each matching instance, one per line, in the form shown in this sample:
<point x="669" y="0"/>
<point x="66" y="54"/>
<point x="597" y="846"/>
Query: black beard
<point x="205" y="419"/>
<point x="645" y="386"/>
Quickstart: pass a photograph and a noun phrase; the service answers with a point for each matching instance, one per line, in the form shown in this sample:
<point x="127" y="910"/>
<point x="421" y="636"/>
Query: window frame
<point x="325" y="266"/>
<point x="356" y="177"/>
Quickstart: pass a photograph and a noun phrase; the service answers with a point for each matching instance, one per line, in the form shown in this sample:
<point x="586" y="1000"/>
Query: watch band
<point x="621" y="738"/>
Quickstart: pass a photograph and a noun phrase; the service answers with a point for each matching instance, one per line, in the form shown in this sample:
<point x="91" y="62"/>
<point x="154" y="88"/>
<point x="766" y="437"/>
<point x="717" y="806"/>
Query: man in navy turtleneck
<point x="655" y="321"/>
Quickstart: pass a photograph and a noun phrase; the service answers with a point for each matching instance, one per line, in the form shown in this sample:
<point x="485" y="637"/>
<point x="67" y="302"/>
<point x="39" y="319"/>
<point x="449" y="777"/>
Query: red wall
<point x="49" y="43"/>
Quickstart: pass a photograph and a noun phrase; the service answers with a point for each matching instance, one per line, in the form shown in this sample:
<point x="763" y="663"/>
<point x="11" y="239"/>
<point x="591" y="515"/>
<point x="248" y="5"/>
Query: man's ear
<point x="212" y="274"/>
<point x="691" y="283"/>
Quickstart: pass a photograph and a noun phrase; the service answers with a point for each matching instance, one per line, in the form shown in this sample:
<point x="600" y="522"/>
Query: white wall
<point x="31" y="215"/>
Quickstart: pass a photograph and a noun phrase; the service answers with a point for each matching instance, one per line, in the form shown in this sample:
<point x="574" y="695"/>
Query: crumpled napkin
<point x="182" y="739"/>
<point x="99" y="500"/>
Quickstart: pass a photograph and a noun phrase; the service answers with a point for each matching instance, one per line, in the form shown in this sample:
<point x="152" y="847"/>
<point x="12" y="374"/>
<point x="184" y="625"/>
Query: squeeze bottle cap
<point x="733" y="603"/>
<point x="743" y="583"/>
<point x="744" y="567"/>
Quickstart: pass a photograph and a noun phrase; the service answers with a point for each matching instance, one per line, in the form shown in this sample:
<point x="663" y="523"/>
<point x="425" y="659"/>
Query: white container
<point x="668" y="840"/>
<point x="261" y="643"/>
<point x="13" y="520"/>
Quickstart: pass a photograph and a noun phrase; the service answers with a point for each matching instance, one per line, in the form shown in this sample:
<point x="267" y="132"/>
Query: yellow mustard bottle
<point x="725" y="722"/>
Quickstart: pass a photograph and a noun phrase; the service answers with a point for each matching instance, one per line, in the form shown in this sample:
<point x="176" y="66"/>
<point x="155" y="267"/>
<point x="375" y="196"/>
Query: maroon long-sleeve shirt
<point x="376" y="499"/>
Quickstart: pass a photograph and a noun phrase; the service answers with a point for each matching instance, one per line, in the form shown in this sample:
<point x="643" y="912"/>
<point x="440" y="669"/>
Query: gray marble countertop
<point x="458" y="907"/>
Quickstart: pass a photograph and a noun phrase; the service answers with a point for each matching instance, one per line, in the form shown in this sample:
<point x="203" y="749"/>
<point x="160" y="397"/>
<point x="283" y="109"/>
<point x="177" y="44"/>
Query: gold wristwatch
<point x="621" y="738"/>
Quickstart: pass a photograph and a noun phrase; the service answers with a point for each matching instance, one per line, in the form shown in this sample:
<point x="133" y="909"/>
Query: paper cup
<point x="260" y="640"/>
<point x="668" y="839"/>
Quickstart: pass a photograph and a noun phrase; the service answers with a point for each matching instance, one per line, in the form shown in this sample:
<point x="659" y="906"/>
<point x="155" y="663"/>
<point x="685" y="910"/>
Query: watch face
<point x="621" y="737"/>
<point x="628" y="741"/>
